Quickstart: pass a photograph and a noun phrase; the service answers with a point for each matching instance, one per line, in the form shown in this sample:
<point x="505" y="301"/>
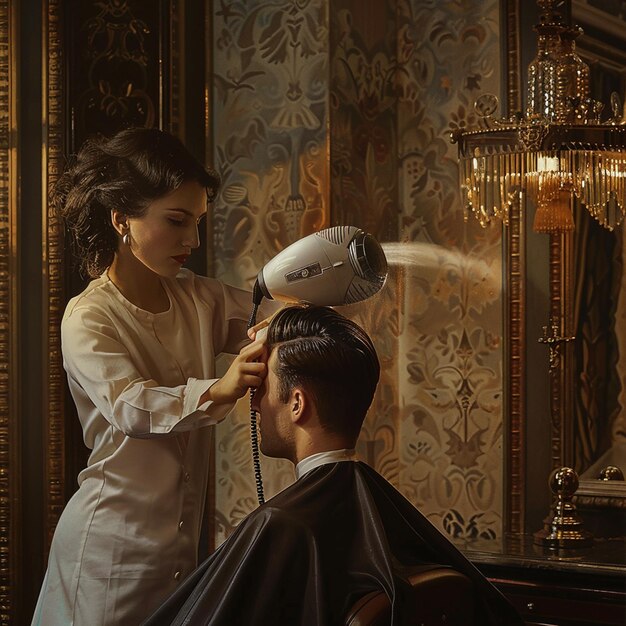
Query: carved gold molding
<point x="173" y="86"/>
<point x="513" y="81"/>
<point x="600" y="494"/>
<point x="515" y="329"/>
<point x="561" y="375"/>
<point x="10" y="493"/>
<point x="515" y="320"/>
<point x="598" y="501"/>
<point x="53" y="392"/>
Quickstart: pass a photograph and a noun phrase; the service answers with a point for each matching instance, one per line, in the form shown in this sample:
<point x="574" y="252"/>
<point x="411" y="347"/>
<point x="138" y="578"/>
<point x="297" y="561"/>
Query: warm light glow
<point x="551" y="180"/>
<point x="547" y="164"/>
<point x="558" y="152"/>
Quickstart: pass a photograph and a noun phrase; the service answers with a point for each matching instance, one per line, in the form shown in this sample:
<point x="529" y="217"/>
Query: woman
<point x="139" y="347"/>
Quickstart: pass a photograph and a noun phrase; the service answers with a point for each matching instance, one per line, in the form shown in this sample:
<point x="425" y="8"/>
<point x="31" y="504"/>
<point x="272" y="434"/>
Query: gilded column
<point x="515" y="320"/>
<point x="10" y="496"/>
<point x="52" y="259"/>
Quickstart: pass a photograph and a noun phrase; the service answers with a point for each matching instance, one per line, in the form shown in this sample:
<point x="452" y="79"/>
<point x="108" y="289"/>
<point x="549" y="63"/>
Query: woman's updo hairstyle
<point x="126" y="172"/>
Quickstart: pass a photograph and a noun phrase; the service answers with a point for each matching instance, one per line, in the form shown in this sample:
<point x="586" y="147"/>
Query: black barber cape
<point x="305" y="556"/>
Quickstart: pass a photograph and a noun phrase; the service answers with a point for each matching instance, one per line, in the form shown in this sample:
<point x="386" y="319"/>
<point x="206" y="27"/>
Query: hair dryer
<point x="335" y="266"/>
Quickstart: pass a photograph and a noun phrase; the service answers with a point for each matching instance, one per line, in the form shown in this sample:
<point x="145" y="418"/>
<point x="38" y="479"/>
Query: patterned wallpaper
<point x="270" y="111"/>
<point x="377" y="86"/>
<point x="270" y="102"/>
<point x="451" y="336"/>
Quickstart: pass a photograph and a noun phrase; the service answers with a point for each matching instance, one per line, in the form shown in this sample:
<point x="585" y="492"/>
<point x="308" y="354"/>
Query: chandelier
<point x="557" y="150"/>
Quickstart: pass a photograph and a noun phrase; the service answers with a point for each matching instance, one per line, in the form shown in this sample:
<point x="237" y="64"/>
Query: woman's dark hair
<point x="332" y="358"/>
<point x="126" y="172"/>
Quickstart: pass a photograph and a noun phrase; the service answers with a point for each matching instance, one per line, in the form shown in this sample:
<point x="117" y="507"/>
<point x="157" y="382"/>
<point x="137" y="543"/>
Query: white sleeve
<point x="231" y="336"/>
<point x="96" y="360"/>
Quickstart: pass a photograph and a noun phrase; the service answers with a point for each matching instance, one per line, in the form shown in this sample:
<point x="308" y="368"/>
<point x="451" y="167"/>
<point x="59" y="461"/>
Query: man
<point x="340" y="531"/>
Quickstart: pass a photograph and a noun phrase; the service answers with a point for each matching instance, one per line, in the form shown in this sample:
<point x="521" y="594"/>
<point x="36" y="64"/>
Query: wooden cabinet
<point x="570" y="588"/>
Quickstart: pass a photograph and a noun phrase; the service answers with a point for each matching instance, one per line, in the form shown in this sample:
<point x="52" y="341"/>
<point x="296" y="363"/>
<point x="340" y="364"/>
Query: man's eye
<point x="175" y="221"/>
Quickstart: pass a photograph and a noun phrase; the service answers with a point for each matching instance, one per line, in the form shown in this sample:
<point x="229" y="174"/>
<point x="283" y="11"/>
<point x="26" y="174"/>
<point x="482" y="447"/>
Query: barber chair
<point x="440" y="596"/>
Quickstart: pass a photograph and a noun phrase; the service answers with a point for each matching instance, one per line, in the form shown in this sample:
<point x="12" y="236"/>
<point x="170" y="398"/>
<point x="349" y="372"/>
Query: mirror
<point x="575" y="413"/>
<point x="597" y="286"/>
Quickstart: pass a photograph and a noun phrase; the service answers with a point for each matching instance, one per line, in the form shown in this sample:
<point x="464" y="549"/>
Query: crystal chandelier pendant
<point x="557" y="152"/>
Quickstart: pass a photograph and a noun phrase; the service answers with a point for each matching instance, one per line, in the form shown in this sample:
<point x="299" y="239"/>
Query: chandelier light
<point x="556" y="150"/>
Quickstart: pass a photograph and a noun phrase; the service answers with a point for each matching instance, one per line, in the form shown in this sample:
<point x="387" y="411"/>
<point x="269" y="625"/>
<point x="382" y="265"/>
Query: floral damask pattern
<point x="362" y="116"/>
<point x="269" y="127"/>
<point x="270" y="100"/>
<point x="450" y="342"/>
<point x="380" y="86"/>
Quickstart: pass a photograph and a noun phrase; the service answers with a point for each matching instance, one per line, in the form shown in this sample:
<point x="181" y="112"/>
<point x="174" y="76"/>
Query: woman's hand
<point x="247" y="370"/>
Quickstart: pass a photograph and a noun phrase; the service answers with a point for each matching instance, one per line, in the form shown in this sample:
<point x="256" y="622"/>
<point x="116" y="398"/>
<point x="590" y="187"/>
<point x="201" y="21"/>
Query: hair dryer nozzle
<point x="336" y="266"/>
<point x="370" y="266"/>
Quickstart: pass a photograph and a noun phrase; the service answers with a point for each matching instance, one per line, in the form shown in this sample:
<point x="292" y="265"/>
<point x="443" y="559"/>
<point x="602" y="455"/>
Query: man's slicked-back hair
<point x="332" y="358"/>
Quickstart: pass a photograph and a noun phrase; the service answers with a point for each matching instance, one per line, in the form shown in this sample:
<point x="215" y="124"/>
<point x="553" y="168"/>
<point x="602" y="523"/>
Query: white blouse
<point x="130" y="533"/>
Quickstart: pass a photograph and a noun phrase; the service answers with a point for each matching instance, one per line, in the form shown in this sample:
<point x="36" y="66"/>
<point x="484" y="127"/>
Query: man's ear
<point x="119" y="221"/>
<point x="298" y="404"/>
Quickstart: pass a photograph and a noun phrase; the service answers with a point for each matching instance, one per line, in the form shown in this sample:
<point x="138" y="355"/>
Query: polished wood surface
<point x="584" y="587"/>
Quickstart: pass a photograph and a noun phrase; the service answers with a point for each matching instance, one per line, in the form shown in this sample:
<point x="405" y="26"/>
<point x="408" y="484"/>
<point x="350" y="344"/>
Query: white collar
<point x="322" y="458"/>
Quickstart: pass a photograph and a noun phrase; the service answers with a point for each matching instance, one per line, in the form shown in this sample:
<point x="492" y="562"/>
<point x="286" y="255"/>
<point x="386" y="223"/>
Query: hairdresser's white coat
<point x="130" y="533"/>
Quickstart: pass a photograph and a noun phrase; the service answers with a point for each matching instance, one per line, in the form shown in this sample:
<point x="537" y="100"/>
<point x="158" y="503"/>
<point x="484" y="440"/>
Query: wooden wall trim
<point x="10" y="442"/>
<point x="561" y="283"/>
<point x="515" y="308"/>
<point x="515" y="457"/>
<point x="53" y="393"/>
<point x="174" y="84"/>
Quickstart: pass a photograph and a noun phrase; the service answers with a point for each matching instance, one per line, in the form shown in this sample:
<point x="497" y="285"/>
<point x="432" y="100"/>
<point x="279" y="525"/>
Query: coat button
<point x="186" y="477"/>
<point x="177" y="576"/>
<point x="180" y="525"/>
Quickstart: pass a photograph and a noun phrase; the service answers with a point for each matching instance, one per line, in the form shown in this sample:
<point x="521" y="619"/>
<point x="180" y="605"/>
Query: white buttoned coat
<point x="131" y="531"/>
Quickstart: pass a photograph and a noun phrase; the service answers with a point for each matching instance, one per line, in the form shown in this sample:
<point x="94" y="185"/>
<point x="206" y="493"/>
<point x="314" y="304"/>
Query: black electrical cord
<point x="257" y="296"/>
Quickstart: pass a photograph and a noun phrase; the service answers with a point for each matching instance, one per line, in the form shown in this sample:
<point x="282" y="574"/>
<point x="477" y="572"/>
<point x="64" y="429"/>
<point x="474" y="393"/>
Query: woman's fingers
<point x="252" y="381"/>
<point x="247" y="370"/>
<point x="252" y="351"/>
<point x="252" y="332"/>
<point x="255" y="368"/>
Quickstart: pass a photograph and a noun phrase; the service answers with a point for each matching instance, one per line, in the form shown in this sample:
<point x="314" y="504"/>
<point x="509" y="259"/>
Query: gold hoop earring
<point x="126" y="239"/>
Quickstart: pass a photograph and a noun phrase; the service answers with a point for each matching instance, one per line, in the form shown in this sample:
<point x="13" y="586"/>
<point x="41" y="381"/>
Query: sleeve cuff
<point x="194" y="415"/>
<point x="214" y="413"/>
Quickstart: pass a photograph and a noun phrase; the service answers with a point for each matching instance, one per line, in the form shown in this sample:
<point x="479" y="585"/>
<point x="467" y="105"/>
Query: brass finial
<point x="563" y="528"/>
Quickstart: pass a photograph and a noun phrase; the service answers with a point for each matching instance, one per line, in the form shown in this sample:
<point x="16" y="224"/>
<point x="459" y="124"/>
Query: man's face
<point x="273" y="416"/>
